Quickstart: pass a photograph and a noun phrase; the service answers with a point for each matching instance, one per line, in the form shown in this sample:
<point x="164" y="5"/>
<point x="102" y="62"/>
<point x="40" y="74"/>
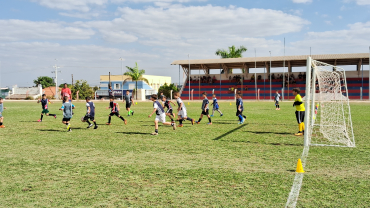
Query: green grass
<point x="223" y="165"/>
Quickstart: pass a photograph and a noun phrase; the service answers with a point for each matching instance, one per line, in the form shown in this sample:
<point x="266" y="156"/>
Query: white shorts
<point x="182" y="113"/>
<point x="161" y="118"/>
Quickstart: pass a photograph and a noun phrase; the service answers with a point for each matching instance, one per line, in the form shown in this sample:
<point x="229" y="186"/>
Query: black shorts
<point x="276" y="102"/>
<point x="300" y="116"/>
<point x="66" y="119"/>
<point x="239" y="113"/>
<point x="87" y="117"/>
<point x="128" y="105"/>
<point x="205" y="112"/>
<point x="115" y="113"/>
<point x="169" y="111"/>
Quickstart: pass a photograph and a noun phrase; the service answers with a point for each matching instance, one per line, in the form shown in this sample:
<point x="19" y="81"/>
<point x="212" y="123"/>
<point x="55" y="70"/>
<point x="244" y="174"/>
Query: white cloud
<point x="302" y="1"/>
<point x="14" y="30"/>
<point x="340" y="17"/>
<point x="359" y="2"/>
<point x="327" y="22"/>
<point x="80" y="5"/>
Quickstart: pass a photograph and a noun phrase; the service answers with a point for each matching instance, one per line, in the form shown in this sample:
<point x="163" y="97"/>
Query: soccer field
<point x="219" y="165"/>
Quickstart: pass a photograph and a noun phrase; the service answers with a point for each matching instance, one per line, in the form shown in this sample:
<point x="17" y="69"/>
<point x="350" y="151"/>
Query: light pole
<point x="270" y="75"/>
<point x="255" y="75"/>
<point x="56" y="67"/>
<point x="189" y="74"/>
<point x="122" y="74"/>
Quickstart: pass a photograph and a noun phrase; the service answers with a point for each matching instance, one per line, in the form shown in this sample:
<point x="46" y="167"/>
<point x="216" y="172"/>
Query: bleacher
<point x="224" y="92"/>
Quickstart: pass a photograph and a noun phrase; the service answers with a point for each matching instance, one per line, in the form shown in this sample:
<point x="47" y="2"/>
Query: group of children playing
<point x="159" y="110"/>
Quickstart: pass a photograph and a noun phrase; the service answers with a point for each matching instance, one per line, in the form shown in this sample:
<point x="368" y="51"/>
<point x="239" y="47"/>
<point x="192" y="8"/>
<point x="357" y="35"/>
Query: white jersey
<point x="277" y="97"/>
<point x="179" y="101"/>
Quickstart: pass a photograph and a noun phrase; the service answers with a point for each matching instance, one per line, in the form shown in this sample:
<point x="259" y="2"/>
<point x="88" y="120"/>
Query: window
<point x="116" y="86"/>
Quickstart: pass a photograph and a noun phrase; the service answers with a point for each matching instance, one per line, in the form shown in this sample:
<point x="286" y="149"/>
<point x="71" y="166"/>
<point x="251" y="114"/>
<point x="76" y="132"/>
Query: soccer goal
<point x="328" y="115"/>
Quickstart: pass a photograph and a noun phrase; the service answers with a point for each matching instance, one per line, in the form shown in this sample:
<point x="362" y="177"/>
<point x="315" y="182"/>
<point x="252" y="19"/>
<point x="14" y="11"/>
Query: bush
<point x="166" y="89"/>
<point x="29" y="98"/>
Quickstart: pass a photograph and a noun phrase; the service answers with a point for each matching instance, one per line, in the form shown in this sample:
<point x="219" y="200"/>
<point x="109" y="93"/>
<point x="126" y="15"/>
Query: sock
<point x="278" y="106"/>
<point x="172" y="124"/>
<point x="156" y="131"/>
<point x="129" y="112"/>
<point x="41" y="117"/>
<point x="189" y="119"/>
<point x="199" y="120"/>
<point x="180" y="121"/>
<point x="67" y="124"/>
<point x="219" y="111"/>
<point x="52" y="114"/>
<point x="300" y="127"/>
<point x="171" y="119"/>
<point x="240" y="118"/>
<point x="88" y="122"/>
<point x="94" y="123"/>
<point x="1" y="123"/>
<point x="109" y="119"/>
<point x="122" y="118"/>
<point x="213" y="111"/>
<point x="209" y="119"/>
<point x="244" y="116"/>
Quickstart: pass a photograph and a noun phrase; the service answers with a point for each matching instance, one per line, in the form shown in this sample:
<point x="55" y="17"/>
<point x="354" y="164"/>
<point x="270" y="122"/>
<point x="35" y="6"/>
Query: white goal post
<point x="328" y="119"/>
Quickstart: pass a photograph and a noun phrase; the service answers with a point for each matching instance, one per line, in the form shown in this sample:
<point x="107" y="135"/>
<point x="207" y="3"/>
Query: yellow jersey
<point x="301" y="106"/>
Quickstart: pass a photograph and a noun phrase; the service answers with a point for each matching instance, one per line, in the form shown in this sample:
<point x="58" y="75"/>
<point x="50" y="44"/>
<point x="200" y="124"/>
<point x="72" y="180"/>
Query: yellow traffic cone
<point x="188" y="103"/>
<point x="230" y="103"/>
<point x="299" y="167"/>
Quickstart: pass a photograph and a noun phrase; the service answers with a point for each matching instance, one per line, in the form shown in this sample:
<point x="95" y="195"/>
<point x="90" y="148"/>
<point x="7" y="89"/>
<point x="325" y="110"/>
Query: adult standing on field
<point x="66" y="92"/>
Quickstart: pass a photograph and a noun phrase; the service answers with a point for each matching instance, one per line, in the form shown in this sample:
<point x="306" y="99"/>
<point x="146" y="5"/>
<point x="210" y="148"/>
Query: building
<point x="144" y="89"/>
<point x="25" y="92"/>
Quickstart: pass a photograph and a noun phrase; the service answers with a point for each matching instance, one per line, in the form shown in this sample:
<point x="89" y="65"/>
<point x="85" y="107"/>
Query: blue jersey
<point x="44" y="103"/>
<point x="92" y="109"/>
<point x="204" y="104"/>
<point x="158" y="107"/>
<point x="215" y="103"/>
<point x="239" y="102"/>
<point x="67" y="110"/>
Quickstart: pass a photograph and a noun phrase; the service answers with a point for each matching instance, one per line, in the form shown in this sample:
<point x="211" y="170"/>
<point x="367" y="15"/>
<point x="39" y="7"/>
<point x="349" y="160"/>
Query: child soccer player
<point x="114" y="111"/>
<point x="277" y="98"/>
<point x="167" y="104"/>
<point x="90" y="113"/>
<point x="205" y="109"/>
<point x="1" y="113"/>
<point x="181" y="110"/>
<point x="129" y="102"/>
<point x="67" y="112"/>
<point x="45" y="107"/>
<point x="300" y="111"/>
<point x="239" y="108"/>
<point x="215" y="106"/>
<point x="161" y="116"/>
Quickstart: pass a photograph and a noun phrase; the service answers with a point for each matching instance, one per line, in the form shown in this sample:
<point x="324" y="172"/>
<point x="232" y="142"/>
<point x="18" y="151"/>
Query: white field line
<point x="294" y="192"/>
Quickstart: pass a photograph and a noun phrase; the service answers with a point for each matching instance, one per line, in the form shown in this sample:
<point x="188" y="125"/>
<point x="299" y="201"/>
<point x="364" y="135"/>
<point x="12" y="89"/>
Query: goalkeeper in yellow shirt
<point x="298" y="103"/>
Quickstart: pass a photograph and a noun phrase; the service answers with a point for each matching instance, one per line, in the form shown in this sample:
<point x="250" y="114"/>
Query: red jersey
<point x="66" y="92"/>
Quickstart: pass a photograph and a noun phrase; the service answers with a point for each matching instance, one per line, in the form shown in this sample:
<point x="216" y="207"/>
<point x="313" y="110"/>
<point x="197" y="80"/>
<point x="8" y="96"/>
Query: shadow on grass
<point x="29" y="121"/>
<point x="229" y="132"/>
<point x="64" y="130"/>
<point x="140" y="133"/>
<point x="268" y="132"/>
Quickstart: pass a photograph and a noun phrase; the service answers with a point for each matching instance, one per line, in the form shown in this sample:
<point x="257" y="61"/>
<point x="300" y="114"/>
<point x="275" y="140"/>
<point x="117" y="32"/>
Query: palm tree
<point x="232" y="53"/>
<point x="135" y="74"/>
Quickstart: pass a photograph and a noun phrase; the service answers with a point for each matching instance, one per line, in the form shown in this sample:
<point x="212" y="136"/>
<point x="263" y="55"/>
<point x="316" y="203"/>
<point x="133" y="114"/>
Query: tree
<point x="84" y="89"/>
<point x="135" y="74"/>
<point x="44" y="81"/>
<point x="232" y="53"/>
<point x="166" y="89"/>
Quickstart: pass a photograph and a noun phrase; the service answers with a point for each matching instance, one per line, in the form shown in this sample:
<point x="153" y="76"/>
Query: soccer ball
<point x="82" y="119"/>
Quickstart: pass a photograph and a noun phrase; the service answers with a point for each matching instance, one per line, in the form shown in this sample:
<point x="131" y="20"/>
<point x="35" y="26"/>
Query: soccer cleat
<point x="69" y="127"/>
<point x="243" y="121"/>
<point x="240" y="122"/>
<point x="108" y="124"/>
<point x="55" y="116"/>
<point x="39" y="120"/>
<point x="211" y="115"/>
<point x="96" y="127"/>
<point x="180" y="125"/>
<point x="128" y="114"/>
<point x="221" y="114"/>
<point x="154" y="133"/>
<point x="210" y="123"/>
<point x="174" y="126"/>
<point x="197" y="122"/>
<point x="90" y="126"/>
<point x="125" y="122"/>
<point x="192" y="122"/>
<point x="2" y="126"/>
<point x="132" y="113"/>
<point x="70" y="130"/>
<point x="299" y="134"/>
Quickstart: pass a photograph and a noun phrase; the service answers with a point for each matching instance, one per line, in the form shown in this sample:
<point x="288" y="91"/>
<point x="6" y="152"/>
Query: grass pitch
<point x="222" y="165"/>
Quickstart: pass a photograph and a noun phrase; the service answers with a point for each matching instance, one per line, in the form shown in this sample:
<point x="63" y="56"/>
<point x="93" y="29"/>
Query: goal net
<point x="328" y="114"/>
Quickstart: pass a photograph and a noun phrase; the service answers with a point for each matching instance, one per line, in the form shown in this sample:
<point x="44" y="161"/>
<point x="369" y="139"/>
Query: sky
<point x="87" y="38"/>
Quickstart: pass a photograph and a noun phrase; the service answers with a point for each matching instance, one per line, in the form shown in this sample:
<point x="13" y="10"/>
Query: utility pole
<point x="72" y="79"/>
<point x="122" y="75"/>
<point x="56" y="67"/>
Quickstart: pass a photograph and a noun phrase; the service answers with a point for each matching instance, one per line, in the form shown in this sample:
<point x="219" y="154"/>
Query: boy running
<point x="45" y="107"/>
<point x="1" y="113"/>
<point x="167" y="104"/>
<point x="300" y="111"/>
<point x="205" y="109"/>
<point x="129" y="102"/>
<point x="161" y="116"/>
<point x="182" y="114"/>
<point x="277" y="98"/>
<point x="239" y="108"/>
<point x="114" y="111"/>
<point x="90" y="113"/>
<point x="215" y="106"/>
<point x="67" y="112"/>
